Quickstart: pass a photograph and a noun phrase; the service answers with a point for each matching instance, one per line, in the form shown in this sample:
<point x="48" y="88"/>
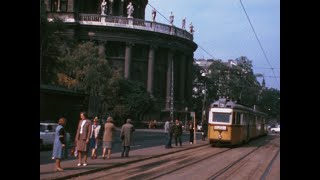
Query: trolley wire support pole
<point x="194" y="129"/>
<point x="172" y="93"/>
<point x="204" y="103"/>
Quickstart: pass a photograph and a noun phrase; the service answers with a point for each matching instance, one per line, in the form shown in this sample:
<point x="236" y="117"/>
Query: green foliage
<point x="270" y="102"/>
<point x="129" y="99"/>
<point x="53" y="44"/>
<point x="83" y="69"/>
<point x="237" y="82"/>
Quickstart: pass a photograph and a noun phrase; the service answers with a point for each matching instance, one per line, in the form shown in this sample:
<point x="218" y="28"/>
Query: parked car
<point x="47" y="133"/>
<point x="275" y="129"/>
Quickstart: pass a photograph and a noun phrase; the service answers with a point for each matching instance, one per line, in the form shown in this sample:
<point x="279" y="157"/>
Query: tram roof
<point x="228" y="103"/>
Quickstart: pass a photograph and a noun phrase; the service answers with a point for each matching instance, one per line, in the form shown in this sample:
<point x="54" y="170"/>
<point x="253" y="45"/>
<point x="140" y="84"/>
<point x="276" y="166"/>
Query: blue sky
<point x="221" y="28"/>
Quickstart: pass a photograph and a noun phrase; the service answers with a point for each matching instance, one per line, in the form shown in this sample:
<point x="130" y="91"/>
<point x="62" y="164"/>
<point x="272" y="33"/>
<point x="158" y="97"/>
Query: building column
<point x="169" y="67"/>
<point x="58" y="9"/>
<point x="110" y="4"/>
<point x="182" y="78"/>
<point x="127" y="60"/>
<point x="151" y="69"/>
<point x="188" y="91"/>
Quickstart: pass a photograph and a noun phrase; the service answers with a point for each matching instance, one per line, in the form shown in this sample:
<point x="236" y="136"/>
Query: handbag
<point x="74" y="152"/>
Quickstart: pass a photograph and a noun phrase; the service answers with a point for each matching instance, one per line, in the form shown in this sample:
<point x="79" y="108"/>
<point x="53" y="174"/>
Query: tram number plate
<point x="220" y="128"/>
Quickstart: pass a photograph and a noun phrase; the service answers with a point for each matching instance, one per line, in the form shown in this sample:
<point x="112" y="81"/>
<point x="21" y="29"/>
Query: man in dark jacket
<point x="178" y="132"/>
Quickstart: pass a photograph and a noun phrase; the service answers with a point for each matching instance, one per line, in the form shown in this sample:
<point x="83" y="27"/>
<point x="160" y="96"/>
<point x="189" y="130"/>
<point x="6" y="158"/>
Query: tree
<point x="128" y="98"/>
<point x="270" y="103"/>
<point x="84" y="69"/>
<point x="53" y="43"/>
<point x="198" y="89"/>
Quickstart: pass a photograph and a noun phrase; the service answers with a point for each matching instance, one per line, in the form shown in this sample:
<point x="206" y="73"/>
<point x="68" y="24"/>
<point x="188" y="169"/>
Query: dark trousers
<point x="125" y="151"/>
<point x="169" y="139"/>
<point x="178" y="137"/>
<point x="191" y="136"/>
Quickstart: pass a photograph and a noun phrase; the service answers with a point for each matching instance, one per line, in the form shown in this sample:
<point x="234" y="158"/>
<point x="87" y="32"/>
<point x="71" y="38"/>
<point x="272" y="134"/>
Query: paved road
<point x="142" y="139"/>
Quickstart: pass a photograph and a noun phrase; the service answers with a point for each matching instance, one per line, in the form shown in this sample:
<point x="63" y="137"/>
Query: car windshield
<point x="50" y="128"/>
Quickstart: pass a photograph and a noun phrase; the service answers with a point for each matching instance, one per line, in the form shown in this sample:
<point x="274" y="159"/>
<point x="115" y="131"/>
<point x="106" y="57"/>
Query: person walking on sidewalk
<point x="82" y="138"/>
<point x="94" y="138"/>
<point x="109" y="130"/>
<point x="168" y="134"/>
<point x="178" y="132"/>
<point x="204" y="131"/>
<point x="191" y="130"/>
<point x="59" y="144"/>
<point x="126" y="137"/>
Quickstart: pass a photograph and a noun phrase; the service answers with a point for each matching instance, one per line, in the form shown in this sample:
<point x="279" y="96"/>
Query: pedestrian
<point x="191" y="131"/>
<point x="178" y="132"/>
<point x="109" y="130"/>
<point x="126" y="137"/>
<point x="167" y="131"/>
<point x="82" y="138"/>
<point x="94" y="137"/>
<point x="154" y="124"/>
<point x="59" y="144"/>
<point x="204" y="131"/>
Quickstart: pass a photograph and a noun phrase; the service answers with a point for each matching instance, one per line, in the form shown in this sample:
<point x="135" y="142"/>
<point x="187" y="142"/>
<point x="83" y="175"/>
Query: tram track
<point x="245" y="159"/>
<point x="170" y="164"/>
<point x="144" y="165"/>
<point x="267" y="171"/>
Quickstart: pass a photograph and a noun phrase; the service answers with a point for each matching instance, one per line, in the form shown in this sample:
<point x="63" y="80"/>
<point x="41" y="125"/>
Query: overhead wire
<point x="264" y="53"/>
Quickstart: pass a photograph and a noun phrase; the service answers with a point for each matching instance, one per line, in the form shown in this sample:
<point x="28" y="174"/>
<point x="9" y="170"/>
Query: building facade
<point x="145" y="51"/>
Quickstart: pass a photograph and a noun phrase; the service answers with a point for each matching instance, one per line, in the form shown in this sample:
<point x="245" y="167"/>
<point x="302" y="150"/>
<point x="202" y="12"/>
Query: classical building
<point x="142" y="50"/>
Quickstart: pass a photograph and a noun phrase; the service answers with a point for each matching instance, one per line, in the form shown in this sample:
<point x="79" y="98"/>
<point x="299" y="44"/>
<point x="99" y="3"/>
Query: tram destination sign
<point x="220" y="128"/>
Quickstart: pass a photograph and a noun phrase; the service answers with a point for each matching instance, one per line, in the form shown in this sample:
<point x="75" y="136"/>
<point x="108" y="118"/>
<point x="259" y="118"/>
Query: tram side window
<point x="253" y="120"/>
<point x="238" y="118"/>
<point x="244" y="119"/>
<point x="233" y="117"/>
<point x="259" y="120"/>
<point x="249" y="119"/>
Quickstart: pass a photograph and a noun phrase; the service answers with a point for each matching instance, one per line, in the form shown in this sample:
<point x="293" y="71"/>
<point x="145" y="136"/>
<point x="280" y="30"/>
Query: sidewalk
<point x="71" y="169"/>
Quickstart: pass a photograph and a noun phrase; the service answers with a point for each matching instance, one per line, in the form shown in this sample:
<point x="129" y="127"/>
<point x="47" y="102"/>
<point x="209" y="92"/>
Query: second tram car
<point x="230" y="123"/>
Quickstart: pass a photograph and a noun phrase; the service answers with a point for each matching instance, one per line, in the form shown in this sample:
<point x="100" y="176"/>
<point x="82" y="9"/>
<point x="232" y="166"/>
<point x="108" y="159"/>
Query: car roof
<point x="43" y="123"/>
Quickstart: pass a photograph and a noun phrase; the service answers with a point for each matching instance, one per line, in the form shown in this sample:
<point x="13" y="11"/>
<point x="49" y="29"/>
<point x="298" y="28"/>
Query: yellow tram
<point x="230" y="123"/>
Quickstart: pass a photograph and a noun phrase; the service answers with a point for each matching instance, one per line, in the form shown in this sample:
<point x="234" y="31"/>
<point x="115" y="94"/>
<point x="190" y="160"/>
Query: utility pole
<point x="204" y="74"/>
<point x="204" y="102"/>
<point x="171" y="93"/>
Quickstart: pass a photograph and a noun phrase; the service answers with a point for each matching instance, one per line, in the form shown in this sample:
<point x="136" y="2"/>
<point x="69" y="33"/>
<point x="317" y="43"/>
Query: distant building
<point x="142" y="50"/>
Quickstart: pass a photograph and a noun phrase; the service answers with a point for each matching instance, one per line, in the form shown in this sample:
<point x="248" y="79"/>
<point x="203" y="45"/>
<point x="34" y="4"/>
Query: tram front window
<point x="221" y="117"/>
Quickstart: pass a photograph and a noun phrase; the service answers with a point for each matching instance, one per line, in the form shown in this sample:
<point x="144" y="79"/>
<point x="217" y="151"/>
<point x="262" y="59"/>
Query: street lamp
<point x="204" y="97"/>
